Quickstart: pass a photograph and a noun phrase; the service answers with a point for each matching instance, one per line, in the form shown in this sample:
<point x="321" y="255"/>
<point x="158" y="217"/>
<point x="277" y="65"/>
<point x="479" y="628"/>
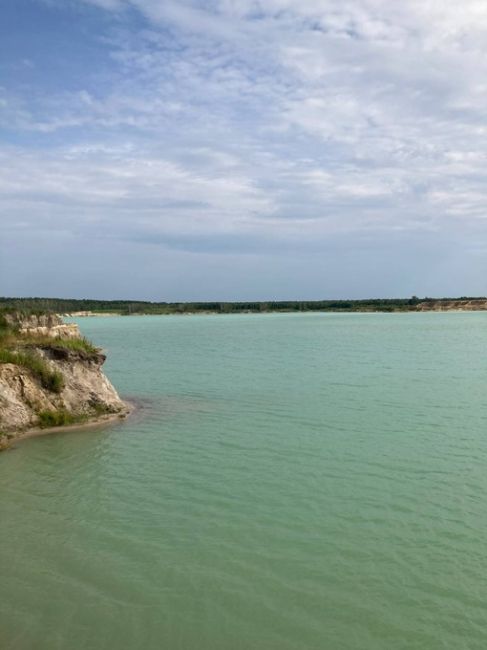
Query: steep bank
<point x="50" y="376"/>
<point x="474" y="304"/>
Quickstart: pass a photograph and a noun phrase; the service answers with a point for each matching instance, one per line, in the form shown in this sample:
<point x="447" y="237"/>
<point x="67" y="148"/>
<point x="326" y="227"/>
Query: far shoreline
<point x="279" y="312"/>
<point x="88" y="307"/>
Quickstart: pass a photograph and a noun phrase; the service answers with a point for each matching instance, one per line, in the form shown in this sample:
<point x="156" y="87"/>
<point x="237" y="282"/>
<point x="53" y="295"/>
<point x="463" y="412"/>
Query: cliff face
<point x="453" y="305"/>
<point x="49" y="325"/>
<point x="60" y="382"/>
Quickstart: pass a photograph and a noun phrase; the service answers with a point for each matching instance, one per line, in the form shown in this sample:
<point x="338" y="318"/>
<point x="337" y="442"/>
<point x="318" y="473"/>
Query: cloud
<point x="256" y="126"/>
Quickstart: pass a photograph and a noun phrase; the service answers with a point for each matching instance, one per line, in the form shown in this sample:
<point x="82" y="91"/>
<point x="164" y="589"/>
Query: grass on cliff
<point x="59" y="418"/>
<point x="75" y="345"/>
<point x="20" y="350"/>
<point x="49" y="379"/>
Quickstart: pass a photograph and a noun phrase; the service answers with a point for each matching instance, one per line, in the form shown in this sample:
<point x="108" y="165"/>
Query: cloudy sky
<point x="243" y="149"/>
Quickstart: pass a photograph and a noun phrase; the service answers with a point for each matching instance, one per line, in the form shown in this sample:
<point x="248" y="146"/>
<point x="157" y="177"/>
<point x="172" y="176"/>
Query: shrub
<point x="53" y="381"/>
<point x="57" y="418"/>
<point x="98" y="409"/>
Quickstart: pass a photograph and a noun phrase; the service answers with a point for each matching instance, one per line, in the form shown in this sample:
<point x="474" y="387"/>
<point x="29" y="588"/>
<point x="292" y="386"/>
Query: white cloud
<point x="277" y="121"/>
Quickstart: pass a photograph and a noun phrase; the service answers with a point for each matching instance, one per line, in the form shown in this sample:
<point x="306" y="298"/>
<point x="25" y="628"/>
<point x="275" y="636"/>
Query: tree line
<point x="126" y="307"/>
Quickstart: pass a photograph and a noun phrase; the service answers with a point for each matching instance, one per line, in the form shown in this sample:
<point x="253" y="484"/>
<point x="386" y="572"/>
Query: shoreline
<point x="91" y="424"/>
<point x="457" y="310"/>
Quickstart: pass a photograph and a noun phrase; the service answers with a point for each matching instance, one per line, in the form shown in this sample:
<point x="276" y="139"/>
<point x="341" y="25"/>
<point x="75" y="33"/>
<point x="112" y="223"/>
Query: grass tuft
<point x="49" y="379"/>
<point x="59" y="418"/>
<point x="75" y="345"/>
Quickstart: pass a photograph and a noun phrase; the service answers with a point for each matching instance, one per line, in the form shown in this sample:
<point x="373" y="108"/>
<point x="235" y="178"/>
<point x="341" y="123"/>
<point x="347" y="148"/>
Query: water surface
<point x="290" y="482"/>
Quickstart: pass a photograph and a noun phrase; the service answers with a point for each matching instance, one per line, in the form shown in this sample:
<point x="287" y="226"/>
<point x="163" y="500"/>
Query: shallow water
<point x="289" y="482"/>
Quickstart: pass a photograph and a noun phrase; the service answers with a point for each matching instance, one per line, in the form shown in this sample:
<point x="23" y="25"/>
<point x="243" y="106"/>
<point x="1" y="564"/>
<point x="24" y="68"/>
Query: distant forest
<point x="127" y="307"/>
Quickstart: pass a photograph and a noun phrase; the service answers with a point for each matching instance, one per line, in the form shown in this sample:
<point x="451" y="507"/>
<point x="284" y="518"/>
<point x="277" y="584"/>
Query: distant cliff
<point x="50" y="376"/>
<point x="469" y="304"/>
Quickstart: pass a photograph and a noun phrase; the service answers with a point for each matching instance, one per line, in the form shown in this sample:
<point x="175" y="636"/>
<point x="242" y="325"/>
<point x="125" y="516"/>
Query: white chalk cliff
<point x="83" y="392"/>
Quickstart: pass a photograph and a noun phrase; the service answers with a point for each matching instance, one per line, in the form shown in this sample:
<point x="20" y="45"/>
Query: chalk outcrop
<point x="473" y="304"/>
<point x="81" y="391"/>
<point x="48" y="325"/>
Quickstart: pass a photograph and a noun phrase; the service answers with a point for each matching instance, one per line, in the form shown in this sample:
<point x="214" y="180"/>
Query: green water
<point x="299" y="482"/>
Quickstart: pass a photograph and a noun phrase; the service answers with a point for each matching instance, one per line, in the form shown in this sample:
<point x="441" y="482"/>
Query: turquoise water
<point x="301" y="482"/>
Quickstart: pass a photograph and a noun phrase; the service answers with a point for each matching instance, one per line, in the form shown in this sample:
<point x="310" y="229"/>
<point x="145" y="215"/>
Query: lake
<point x="287" y="482"/>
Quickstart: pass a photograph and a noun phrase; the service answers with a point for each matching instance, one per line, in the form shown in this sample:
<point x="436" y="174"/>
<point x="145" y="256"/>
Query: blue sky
<point x="237" y="149"/>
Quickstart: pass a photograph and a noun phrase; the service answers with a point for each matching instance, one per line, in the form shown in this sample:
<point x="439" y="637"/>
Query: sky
<point x="243" y="149"/>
